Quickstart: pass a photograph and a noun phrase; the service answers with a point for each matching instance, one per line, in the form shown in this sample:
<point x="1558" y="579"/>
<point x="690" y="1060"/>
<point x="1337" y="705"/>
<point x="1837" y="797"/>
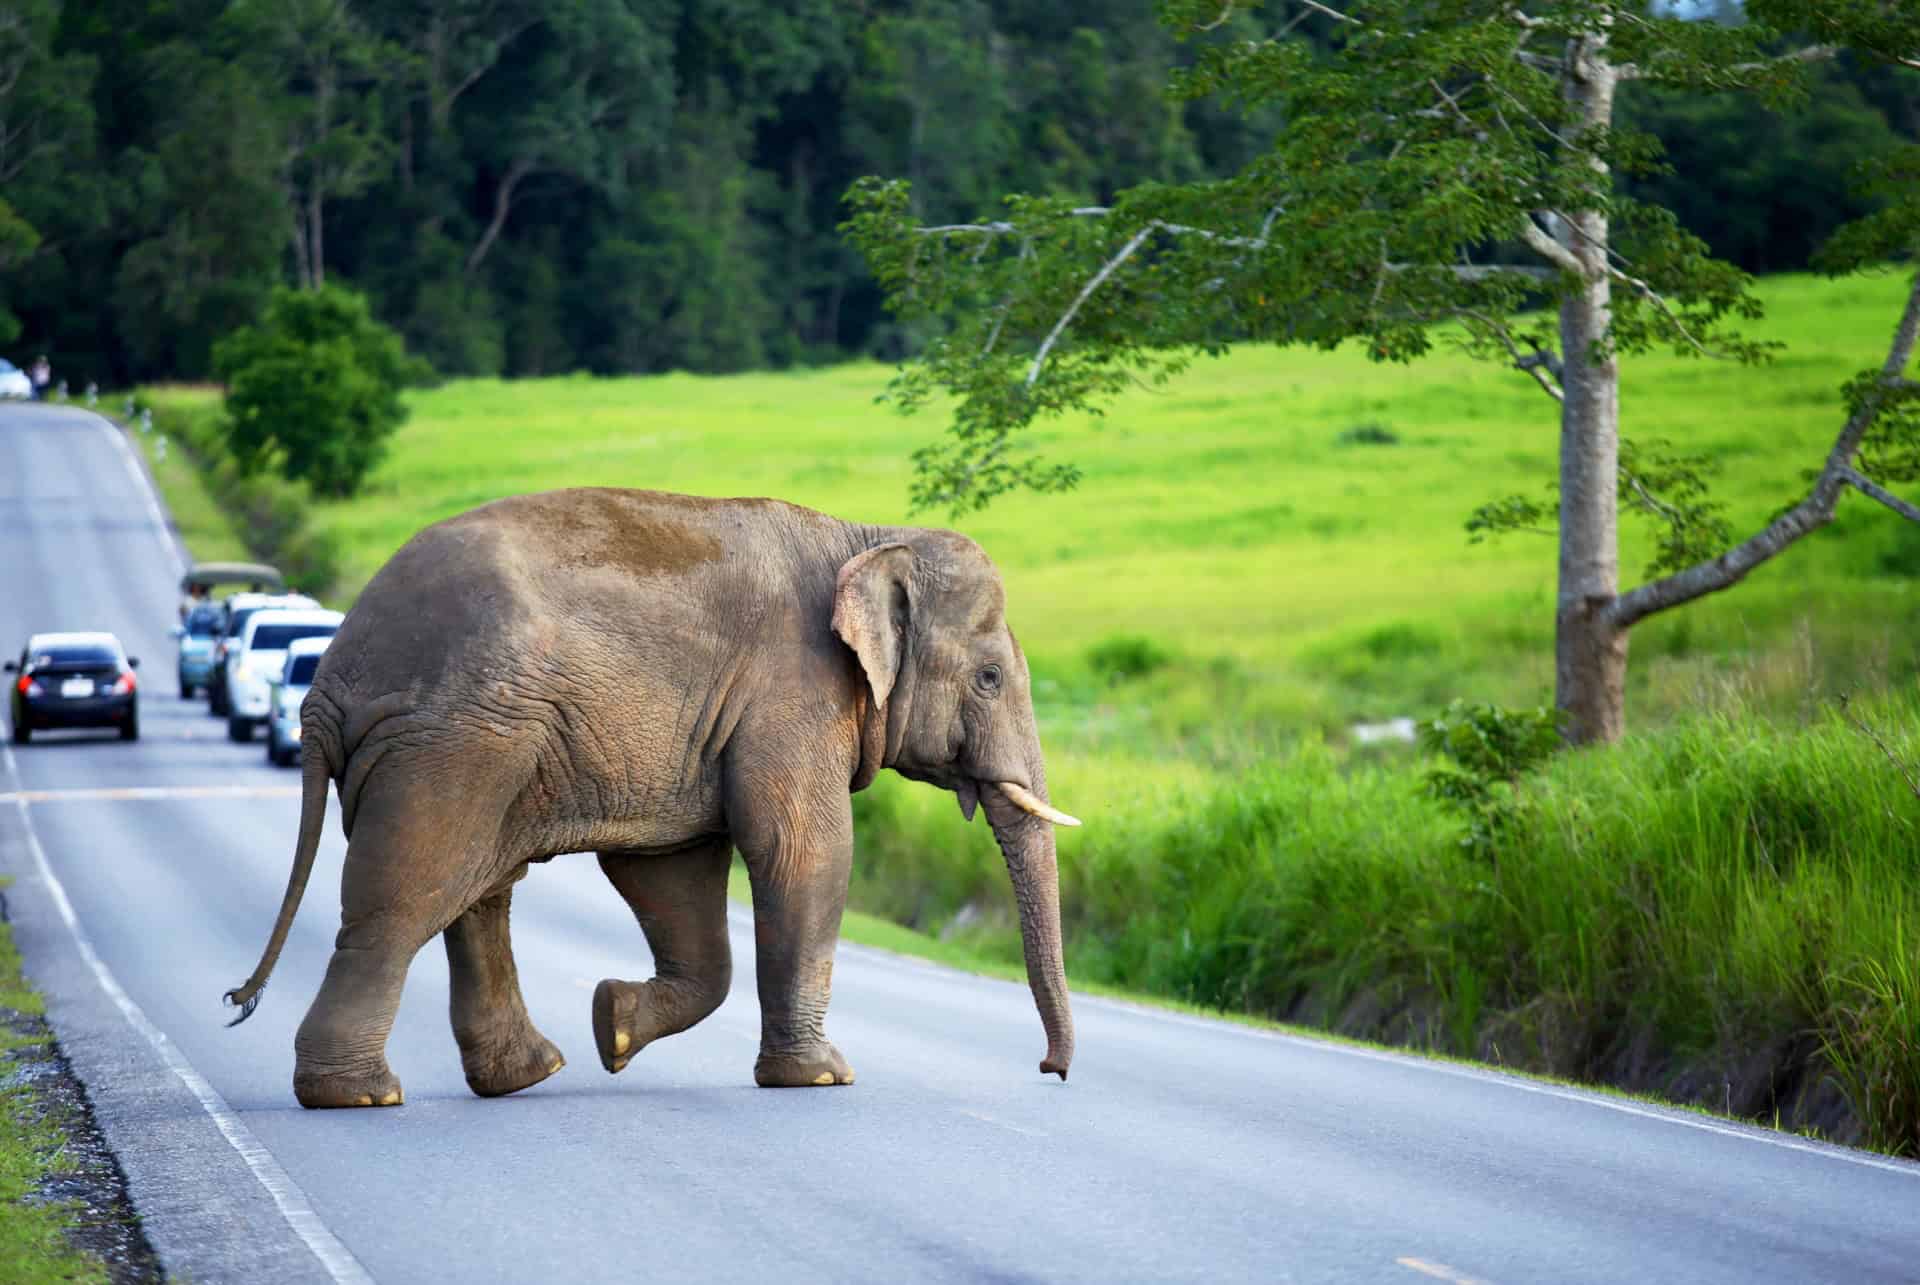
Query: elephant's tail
<point x="315" y="773"/>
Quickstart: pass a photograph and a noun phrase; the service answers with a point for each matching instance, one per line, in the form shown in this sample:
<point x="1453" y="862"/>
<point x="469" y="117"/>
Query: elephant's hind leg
<point x="681" y="903"/>
<point x="500" y="1049"/>
<point x="340" y="1052"/>
<point x="410" y="871"/>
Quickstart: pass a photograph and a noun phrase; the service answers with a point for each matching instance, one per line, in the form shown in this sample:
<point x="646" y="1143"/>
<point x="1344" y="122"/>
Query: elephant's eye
<point x="988" y="679"/>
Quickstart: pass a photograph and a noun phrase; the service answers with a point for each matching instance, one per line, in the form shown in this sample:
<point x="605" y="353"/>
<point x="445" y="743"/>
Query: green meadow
<point x="1251" y="516"/>
<point x="1271" y="549"/>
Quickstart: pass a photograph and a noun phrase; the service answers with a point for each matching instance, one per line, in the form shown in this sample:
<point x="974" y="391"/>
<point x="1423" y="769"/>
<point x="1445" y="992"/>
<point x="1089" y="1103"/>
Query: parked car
<point x="74" y="680"/>
<point x="284" y="694"/>
<point x="258" y="653"/>
<point x="196" y="635"/>
<point x="235" y="611"/>
<point x="14" y="381"/>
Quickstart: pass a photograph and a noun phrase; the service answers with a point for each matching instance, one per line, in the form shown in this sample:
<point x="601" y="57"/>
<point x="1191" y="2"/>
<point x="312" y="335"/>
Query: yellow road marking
<point x="143" y="792"/>
<point x="1439" y="1271"/>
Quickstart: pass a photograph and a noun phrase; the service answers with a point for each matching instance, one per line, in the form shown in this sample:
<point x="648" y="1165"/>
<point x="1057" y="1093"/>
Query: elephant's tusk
<point x="1025" y="800"/>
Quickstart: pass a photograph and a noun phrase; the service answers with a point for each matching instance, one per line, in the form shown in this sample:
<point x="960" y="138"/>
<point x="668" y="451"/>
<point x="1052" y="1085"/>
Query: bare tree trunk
<point x="317" y="248"/>
<point x="502" y="205"/>
<point x="1590" y="650"/>
<point x="302" y="264"/>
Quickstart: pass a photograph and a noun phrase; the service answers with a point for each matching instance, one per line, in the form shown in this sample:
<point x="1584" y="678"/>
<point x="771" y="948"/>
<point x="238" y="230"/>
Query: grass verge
<point x="221" y="512"/>
<point x="40" y="1231"/>
<point x="206" y="527"/>
<point x="1721" y="911"/>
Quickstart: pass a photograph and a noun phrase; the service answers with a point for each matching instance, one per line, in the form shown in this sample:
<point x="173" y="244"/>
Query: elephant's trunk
<point x="1026" y="839"/>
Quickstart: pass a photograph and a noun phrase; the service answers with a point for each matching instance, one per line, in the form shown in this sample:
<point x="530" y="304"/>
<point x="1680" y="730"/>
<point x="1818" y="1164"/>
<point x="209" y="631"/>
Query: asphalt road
<point x="147" y="875"/>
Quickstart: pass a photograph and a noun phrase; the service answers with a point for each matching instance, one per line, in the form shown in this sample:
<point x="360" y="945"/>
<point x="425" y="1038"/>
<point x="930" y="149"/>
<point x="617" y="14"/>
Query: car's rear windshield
<point x="237" y="620"/>
<point x="276" y="637"/>
<point x="302" y="672"/>
<point x="75" y="657"/>
<point x="203" y="622"/>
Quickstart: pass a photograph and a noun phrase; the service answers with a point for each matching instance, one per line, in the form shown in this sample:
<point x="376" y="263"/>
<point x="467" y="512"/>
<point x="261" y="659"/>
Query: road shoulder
<point x="205" y="1213"/>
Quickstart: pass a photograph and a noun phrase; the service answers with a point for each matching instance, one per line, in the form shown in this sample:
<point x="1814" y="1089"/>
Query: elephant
<point x="659" y="679"/>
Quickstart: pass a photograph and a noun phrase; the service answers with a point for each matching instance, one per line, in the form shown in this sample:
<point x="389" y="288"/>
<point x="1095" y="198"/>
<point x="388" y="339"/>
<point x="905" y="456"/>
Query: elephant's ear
<point x="870" y="604"/>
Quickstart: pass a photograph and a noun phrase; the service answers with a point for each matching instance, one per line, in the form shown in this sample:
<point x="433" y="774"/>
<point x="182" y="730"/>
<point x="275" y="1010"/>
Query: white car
<point x="285" y="692"/>
<point x="234" y="611"/>
<point x="257" y="653"/>
<point x="14" y="381"/>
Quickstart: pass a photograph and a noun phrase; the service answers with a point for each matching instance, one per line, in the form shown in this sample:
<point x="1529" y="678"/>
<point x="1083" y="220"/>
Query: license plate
<point x="77" y="687"/>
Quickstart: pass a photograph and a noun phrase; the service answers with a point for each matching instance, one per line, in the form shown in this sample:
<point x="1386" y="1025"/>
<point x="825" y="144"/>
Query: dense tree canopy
<point x="529" y="186"/>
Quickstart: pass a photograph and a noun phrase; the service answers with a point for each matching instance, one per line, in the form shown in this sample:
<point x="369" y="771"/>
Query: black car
<point x="73" y="680"/>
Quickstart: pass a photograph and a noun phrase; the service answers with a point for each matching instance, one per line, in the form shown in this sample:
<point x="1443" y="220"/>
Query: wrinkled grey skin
<point x="659" y="679"/>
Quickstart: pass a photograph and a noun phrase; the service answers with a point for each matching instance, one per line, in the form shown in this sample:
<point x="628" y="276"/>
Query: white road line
<point x="292" y="1203"/>
<point x="1501" y="1077"/>
<point x="129" y="793"/>
<point x="1000" y="1124"/>
<point x="1515" y="1080"/>
<point x="145" y="487"/>
<point x="1440" y="1271"/>
<point x="334" y="1256"/>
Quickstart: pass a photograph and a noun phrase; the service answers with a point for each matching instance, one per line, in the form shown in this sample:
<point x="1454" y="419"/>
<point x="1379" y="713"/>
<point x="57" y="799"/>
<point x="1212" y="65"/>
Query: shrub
<point x="1368" y="434"/>
<point x="314" y="388"/>
<point x="1126" y="656"/>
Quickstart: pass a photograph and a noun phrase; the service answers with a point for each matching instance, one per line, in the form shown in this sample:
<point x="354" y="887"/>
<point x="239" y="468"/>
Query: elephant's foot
<point x="628" y="1016"/>
<point x="376" y="1088"/>
<point x="623" y="1023"/>
<point x="811" y="1066"/>
<point x="499" y="1067"/>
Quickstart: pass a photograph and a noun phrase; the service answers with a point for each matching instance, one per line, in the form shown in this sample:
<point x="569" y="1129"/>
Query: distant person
<point x="40" y="374"/>
<point x="196" y="597"/>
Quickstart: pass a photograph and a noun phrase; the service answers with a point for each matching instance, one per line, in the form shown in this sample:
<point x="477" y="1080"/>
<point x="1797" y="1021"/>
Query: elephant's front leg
<point x="799" y="859"/>
<point x="680" y="900"/>
<point x="500" y="1049"/>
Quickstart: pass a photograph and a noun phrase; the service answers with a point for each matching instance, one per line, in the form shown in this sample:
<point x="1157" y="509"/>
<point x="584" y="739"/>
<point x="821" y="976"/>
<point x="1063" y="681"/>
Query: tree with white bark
<point x="331" y="69"/>
<point x="1448" y="170"/>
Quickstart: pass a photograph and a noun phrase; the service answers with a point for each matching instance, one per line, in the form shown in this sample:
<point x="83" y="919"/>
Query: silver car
<point x="285" y="691"/>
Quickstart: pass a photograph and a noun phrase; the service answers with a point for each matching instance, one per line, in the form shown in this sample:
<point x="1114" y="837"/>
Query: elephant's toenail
<point x="365" y="1101"/>
<point x="621" y="1042"/>
<point x="391" y="1100"/>
<point x="619" y="1065"/>
<point x="557" y="1064"/>
<point x="825" y="1077"/>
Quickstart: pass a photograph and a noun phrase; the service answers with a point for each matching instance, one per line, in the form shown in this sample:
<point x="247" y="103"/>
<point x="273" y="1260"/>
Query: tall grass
<point x="1722" y="910"/>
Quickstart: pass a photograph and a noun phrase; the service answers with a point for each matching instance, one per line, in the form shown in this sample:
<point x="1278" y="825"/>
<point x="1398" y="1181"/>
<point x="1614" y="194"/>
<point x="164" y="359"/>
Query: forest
<point x="533" y="187"/>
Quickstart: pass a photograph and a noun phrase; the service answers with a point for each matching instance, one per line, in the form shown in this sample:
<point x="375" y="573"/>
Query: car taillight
<point x="28" y="687"/>
<point x="123" y="684"/>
